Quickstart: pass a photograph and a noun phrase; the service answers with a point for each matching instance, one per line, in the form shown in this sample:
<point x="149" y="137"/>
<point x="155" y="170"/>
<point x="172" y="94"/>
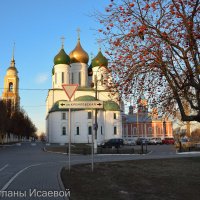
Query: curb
<point x="44" y="149"/>
<point x="118" y="154"/>
<point x="61" y="183"/>
<point x="190" y="152"/>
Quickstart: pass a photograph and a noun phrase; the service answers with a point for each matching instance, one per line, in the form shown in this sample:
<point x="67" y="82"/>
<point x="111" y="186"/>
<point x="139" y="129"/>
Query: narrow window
<point x="135" y="131"/>
<point x="101" y="130"/>
<point x="115" y="130"/>
<point x="89" y="115"/>
<point x="55" y="78"/>
<point x="79" y="78"/>
<point x="149" y="130"/>
<point x="77" y="130"/>
<point x="63" y="130"/>
<point x="89" y="130"/>
<point x="63" y="116"/>
<point x="101" y="79"/>
<point x="115" y="116"/>
<point x="10" y="87"/>
<point x="63" y="79"/>
<point x="72" y="78"/>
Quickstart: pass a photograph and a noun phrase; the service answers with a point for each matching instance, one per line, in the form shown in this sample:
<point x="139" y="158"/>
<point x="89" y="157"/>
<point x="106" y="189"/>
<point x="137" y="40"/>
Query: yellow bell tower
<point x="11" y="85"/>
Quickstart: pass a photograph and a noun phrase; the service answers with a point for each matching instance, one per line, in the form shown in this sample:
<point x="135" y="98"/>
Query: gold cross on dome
<point x="78" y="32"/>
<point x="13" y="54"/>
<point x="62" y="41"/>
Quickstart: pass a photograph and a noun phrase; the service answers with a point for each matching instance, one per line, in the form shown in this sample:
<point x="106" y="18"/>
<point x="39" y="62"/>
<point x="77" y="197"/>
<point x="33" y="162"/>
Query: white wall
<point x="83" y="69"/>
<point x="57" y="77"/>
<point x="80" y="119"/>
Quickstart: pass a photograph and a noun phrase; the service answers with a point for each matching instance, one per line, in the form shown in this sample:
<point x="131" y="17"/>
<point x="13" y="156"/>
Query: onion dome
<point x="90" y="70"/>
<point x="61" y="58"/>
<point x="100" y="60"/>
<point x="79" y="55"/>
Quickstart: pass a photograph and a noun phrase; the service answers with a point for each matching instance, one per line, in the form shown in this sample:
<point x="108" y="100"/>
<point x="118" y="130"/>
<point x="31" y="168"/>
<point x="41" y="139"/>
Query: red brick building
<point x="145" y="124"/>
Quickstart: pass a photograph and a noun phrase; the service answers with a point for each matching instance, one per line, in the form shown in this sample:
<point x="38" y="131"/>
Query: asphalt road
<point x="28" y="172"/>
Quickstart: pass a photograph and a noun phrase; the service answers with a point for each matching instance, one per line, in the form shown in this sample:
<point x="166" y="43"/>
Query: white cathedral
<point x="93" y="83"/>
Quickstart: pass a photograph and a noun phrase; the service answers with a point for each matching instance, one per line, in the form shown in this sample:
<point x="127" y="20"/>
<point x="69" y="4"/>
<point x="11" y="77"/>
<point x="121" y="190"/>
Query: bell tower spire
<point x="11" y="84"/>
<point x="12" y="64"/>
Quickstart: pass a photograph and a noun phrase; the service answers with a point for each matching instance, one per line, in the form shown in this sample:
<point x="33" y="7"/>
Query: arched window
<point x="89" y="130"/>
<point x="72" y="80"/>
<point x="101" y="79"/>
<point x="63" y="130"/>
<point x="63" y="77"/>
<point x="115" y="130"/>
<point x="10" y="87"/>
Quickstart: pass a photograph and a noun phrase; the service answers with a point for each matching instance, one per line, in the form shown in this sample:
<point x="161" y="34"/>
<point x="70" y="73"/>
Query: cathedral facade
<point x="93" y="84"/>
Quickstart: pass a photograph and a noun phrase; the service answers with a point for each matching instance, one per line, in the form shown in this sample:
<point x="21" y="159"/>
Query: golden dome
<point x="12" y="69"/>
<point x="78" y="55"/>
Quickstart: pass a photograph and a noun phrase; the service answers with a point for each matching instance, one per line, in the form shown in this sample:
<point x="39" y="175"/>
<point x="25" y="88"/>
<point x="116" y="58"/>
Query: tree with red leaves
<point x="153" y="46"/>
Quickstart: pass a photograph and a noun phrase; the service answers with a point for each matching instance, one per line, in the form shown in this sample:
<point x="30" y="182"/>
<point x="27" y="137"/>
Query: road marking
<point x="1" y="169"/>
<point x="15" y="176"/>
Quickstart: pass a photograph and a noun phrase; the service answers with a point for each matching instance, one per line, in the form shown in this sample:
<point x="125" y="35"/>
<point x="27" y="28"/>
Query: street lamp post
<point x="96" y="110"/>
<point x="95" y="118"/>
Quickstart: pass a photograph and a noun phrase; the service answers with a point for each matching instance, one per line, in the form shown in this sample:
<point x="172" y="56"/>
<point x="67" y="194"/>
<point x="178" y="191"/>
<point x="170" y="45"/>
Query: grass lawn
<point x="164" y="179"/>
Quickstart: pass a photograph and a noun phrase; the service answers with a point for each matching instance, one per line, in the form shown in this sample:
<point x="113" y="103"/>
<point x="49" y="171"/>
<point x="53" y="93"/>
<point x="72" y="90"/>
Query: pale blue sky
<point x="36" y="27"/>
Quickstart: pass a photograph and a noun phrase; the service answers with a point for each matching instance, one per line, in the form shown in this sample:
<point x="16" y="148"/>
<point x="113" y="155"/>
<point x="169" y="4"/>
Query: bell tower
<point x="11" y="85"/>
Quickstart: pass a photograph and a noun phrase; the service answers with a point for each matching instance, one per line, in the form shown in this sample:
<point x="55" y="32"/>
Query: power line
<point x="31" y="106"/>
<point x="30" y="89"/>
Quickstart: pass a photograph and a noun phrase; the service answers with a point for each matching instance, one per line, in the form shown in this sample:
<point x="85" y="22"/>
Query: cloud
<point x="42" y="78"/>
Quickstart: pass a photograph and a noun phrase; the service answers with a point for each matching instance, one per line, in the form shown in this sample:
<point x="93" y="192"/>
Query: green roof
<point x="61" y="58"/>
<point x="100" y="60"/>
<point x="111" y="106"/>
<point x="85" y="98"/>
<point x="55" y="107"/>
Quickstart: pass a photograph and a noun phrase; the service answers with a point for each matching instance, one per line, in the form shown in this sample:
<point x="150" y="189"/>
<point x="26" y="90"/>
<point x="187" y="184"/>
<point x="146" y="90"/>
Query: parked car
<point x="168" y="141"/>
<point x="130" y="142"/>
<point x="114" y="142"/>
<point x="155" y="141"/>
<point x="140" y="141"/>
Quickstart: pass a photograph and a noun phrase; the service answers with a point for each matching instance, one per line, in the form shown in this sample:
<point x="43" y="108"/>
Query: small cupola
<point x="100" y="60"/>
<point x="61" y="57"/>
